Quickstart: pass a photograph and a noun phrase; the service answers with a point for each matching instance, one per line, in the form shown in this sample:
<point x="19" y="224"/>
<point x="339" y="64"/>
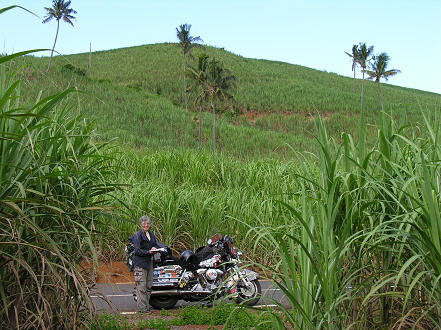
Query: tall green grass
<point x="54" y="187"/>
<point x="193" y="195"/>
<point x="367" y="255"/>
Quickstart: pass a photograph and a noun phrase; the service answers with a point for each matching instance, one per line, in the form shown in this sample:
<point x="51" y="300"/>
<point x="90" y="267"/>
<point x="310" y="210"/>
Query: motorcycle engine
<point x="211" y="275"/>
<point x="214" y="261"/>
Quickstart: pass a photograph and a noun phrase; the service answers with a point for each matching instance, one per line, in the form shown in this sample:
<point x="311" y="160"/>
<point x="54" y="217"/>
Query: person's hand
<point x="153" y="250"/>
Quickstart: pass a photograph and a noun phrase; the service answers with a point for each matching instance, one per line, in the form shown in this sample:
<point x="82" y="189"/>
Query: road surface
<point x="120" y="297"/>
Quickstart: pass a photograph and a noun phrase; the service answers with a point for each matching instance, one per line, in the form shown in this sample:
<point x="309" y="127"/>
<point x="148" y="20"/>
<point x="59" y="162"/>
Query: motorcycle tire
<point x="249" y="296"/>
<point x="163" y="302"/>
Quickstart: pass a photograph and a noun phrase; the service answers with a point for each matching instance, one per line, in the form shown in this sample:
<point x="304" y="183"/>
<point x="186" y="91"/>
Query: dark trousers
<point x="144" y="281"/>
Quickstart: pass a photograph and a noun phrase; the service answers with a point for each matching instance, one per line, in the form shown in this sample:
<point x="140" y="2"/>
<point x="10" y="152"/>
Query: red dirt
<point x="253" y="115"/>
<point x="325" y="117"/>
<point x="171" y="314"/>
<point x="111" y="272"/>
<point x="196" y="327"/>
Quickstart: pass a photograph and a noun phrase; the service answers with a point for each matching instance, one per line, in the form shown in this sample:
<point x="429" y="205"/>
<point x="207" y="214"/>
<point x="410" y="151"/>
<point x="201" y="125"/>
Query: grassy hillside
<point x="135" y="94"/>
<point x="263" y="86"/>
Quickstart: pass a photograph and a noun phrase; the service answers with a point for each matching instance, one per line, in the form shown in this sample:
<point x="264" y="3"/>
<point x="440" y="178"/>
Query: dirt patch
<point x="170" y="315"/>
<point x="252" y="116"/>
<point x="108" y="272"/>
<point x="196" y="327"/>
<point x="325" y="117"/>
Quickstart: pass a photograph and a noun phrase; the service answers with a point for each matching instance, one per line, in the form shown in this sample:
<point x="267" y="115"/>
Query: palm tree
<point x="219" y="82"/>
<point x="199" y="76"/>
<point x="59" y="10"/>
<point x="364" y="56"/>
<point x="354" y="57"/>
<point x="187" y="42"/>
<point x="379" y="70"/>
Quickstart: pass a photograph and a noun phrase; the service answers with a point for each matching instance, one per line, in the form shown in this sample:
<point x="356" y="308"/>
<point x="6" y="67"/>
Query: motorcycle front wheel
<point x="249" y="293"/>
<point x="163" y="302"/>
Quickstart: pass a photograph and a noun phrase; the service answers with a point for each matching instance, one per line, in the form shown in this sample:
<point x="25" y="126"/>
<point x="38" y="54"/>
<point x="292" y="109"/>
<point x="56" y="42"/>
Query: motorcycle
<point x="211" y="272"/>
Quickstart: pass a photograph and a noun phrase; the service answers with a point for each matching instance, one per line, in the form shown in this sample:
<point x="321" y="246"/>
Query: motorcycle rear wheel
<point x="163" y="302"/>
<point x="249" y="295"/>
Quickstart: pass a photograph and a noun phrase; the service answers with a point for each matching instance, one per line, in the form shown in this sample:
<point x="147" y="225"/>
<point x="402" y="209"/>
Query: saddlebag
<point x="166" y="276"/>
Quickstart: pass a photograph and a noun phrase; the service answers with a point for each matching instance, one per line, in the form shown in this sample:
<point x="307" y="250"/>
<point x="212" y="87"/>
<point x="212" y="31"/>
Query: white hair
<point x="145" y="218"/>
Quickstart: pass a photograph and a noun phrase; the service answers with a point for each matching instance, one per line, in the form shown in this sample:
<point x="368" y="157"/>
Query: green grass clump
<point x="231" y="316"/>
<point x="227" y="315"/>
<point x="112" y="322"/>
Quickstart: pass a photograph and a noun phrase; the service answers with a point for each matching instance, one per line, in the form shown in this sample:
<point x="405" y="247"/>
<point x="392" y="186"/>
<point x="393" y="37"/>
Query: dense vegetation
<point x="194" y="195"/>
<point x="368" y="252"/>
<point x="356" y="223"/>
<point x="54" y="187"/>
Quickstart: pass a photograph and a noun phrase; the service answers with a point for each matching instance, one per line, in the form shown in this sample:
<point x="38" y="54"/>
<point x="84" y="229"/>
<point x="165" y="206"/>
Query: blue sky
<point x="309" y="33"/>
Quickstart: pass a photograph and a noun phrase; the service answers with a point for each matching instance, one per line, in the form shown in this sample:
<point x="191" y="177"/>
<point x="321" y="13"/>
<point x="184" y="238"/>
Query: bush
<point x="73" y="69"/>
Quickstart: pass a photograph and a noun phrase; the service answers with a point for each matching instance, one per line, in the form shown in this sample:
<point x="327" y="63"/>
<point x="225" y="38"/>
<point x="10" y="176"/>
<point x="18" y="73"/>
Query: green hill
<point x="263" y="86"/>
<point x="135" y="94"/>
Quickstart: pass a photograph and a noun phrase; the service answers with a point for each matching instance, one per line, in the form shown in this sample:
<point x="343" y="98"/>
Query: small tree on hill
<point x="379" y="70"/>
<point x="199" y="76"/>
<point x="187" y="43"/>
<point x="59" y="10"/>
<point x="354" y="56"/>
<point x="364" y="56"/>
<point x="219" y="82"/>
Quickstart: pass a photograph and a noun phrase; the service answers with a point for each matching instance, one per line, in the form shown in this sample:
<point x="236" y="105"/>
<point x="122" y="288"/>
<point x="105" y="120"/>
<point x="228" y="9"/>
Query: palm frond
<point x="379" y="68"/>
<point x="60" y="10"/>
<point x="187" y="41"/>
<point x="391" y="73"/>
<point x="68" y="20"/>
<point x="364" y="54"/>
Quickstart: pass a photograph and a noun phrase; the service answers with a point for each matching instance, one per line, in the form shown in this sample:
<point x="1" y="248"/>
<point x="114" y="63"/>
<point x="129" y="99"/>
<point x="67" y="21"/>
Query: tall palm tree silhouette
<point x="187" y="43"/>
<point x="59" y="10"/>
<point x="379" y="70"/>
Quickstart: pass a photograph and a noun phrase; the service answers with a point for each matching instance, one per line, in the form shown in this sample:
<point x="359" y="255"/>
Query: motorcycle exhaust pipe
<point x="164" y="292"/>
<point x="175" y="292"/>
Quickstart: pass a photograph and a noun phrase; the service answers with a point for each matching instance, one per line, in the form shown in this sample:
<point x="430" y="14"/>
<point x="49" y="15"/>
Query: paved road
<point x="120" y="297"/>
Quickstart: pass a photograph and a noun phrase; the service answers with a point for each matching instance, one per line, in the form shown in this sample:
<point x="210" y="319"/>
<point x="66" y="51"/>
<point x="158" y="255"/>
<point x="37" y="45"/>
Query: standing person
<point x="144" y="242"/>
